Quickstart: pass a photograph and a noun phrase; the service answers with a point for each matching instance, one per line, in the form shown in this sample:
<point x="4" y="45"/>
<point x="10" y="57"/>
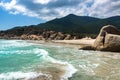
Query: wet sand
<point x="53" y="72"/>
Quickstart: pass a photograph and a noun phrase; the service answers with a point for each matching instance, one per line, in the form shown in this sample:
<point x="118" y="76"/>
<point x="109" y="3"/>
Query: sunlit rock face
<point x="108" y="39"/>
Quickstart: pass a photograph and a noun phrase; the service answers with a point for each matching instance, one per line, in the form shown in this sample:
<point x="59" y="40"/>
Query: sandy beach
<point x="76" y="42"/>
<point x="71" y="43"/>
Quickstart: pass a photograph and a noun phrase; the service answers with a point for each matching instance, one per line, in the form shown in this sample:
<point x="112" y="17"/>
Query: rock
<point x="60" y="36"/>
<point x="108" y="39"/>
<point x="68" y="37"/>
<point x="112" y="43"/>
<point x="23" y="37"/>
<point x="46" y="34"/>
<point x="74" y="38"/>
<point x="87" y="48"/>
<point x="31" y="37"/>
<point x="52" y="36"/>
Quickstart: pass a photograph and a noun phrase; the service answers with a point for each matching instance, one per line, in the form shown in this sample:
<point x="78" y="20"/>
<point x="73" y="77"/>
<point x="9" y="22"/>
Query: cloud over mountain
<point x="50" y="9"/>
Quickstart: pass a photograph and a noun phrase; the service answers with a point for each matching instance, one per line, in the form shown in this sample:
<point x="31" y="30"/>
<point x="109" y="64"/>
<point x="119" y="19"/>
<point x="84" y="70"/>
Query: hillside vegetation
<point x="77" y="26"/>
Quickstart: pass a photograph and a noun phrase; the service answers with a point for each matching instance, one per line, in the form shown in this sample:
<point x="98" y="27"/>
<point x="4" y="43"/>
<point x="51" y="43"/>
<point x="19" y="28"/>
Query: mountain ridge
<point x="80" y="22"/>
<point x="70" y="24"/>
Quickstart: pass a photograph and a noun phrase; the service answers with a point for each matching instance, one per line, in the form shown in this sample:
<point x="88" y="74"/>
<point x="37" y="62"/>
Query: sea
<point x="22" y="60"/>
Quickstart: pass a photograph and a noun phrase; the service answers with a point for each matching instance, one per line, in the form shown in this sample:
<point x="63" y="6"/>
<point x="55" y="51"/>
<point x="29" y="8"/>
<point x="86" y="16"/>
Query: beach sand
<point x="71" y="43"/>
<point x="53" y="72"/>
<point x="80" y="42"/>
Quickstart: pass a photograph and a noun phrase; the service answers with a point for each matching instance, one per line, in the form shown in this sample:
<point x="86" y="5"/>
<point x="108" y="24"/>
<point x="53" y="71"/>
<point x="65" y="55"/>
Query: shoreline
<point x="56" y="73"/>
<point x="69" y="43"/>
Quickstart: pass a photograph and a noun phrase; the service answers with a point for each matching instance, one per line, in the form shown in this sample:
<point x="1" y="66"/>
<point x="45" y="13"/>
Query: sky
<point x="30" y="12"/>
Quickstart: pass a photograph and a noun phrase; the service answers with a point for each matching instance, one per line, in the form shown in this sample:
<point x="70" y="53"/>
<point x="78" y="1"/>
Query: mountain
<point x="71" y="24"/>
<point x="80" y="24"/>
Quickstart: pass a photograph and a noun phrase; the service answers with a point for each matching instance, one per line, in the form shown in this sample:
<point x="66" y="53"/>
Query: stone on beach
<point x="108" y="39"/>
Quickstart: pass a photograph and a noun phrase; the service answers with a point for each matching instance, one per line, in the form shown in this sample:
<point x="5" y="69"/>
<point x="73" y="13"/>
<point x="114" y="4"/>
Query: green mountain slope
<point x="80" y="24"/>
<point x="71" y="24"/>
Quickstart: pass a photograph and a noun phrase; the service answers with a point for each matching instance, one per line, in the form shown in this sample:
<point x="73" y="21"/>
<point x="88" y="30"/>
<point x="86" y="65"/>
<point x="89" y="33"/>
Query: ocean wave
<point x="24" y="76"/>
<point x="39" y="52"/>
<point x="69" y="68"/>
<point x="13" y="44"/>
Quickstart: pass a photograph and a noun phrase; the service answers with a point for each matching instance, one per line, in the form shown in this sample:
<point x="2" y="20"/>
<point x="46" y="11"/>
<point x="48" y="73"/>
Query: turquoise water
<point x="20" y="60"/>
<point x="14" y="56"/>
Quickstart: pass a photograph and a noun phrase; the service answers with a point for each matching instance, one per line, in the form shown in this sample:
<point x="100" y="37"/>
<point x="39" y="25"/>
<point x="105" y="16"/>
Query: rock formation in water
<point x="108" y="39"/>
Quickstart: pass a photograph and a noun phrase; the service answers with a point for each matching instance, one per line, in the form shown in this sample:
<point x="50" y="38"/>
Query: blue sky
<point x="29" y="12"/>
<point x="9" y="20"/>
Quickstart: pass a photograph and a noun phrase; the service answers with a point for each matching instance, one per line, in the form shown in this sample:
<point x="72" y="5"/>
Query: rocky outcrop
<point x="37" y="35"/>
<point x="108" y="39"/>
<point x="31" y="37"/>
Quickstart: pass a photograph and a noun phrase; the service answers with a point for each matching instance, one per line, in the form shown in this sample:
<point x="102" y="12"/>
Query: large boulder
<point x="108" y="39"/>
<point x="112" y="43"/>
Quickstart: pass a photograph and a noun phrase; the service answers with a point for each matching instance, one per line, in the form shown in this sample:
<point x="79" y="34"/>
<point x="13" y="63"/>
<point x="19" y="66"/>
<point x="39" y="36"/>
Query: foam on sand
<point x="69" y="68"/>
<point x="22" y="75"/>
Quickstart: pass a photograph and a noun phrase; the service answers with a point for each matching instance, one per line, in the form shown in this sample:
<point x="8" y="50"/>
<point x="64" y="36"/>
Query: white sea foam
<point x="13" y="43"/>
<point x="39" y="52"/>
<point x="17" y="75"/>
<point x="22" y="76"/>
<point x="69" y="69"/>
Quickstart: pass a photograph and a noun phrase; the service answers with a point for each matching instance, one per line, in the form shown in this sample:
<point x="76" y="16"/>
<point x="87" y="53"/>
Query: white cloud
<point x="41" y="1"/>
<point x="15" y="8"/>
<point x="50" y="9"/>
<point x="105" y="8"/>
<point x="7" y="5"/>
<point x="12" y="7"/>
